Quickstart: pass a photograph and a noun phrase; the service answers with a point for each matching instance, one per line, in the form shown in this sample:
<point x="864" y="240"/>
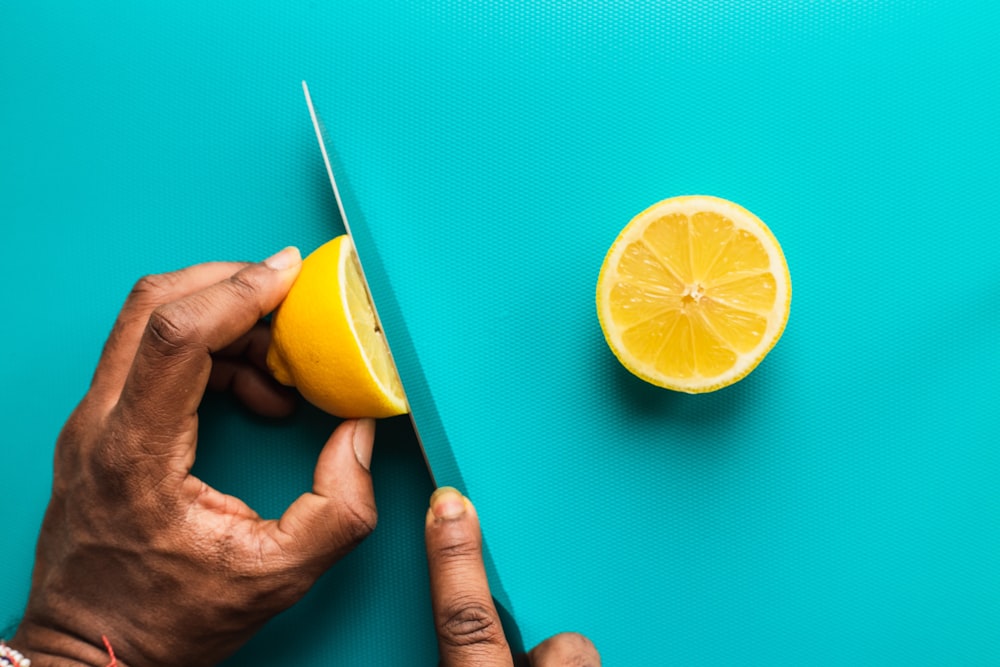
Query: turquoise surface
<point x="839" y="506"/>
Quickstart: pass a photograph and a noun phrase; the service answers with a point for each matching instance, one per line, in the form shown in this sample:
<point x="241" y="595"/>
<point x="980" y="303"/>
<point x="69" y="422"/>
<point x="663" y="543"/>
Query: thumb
<point x="322" y="526"/>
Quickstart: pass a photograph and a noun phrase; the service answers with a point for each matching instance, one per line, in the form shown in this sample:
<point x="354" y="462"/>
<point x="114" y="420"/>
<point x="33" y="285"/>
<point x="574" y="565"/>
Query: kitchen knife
<point x="426" y="420"/>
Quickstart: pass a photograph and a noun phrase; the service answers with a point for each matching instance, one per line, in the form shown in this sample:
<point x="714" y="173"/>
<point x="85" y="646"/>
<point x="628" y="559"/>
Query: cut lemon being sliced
<point x="325" y="339"/>
<point x="693" y="293"/>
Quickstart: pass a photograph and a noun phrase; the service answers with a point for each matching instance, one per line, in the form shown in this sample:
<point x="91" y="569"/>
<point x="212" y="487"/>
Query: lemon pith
<point x="693" y="293"/>
<point x="326" y="342"/>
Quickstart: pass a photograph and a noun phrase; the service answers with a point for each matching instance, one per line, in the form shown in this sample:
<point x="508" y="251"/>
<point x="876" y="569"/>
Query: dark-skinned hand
<point x="174" y="572"/>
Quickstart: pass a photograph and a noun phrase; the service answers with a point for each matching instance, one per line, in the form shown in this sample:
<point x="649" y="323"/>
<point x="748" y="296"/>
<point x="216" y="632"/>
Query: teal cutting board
<point x="841" y="505"/>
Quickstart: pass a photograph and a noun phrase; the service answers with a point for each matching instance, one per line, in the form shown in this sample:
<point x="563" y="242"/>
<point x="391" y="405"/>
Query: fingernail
<point x="447" y="503"/>
<point x="364" y="441"/>
<point x="284" y="259"/>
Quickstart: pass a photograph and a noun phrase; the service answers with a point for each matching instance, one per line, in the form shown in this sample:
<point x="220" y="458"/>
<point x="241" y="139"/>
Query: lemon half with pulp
<point x="693" y="293"/>
<point x="326" y="342"/>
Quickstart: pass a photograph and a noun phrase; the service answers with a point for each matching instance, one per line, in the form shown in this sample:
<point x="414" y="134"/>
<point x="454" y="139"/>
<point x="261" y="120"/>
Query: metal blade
<point x="426" y="419"/>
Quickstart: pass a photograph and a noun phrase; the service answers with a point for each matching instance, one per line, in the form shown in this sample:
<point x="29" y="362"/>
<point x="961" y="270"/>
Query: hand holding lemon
<point x="219" y="570"/>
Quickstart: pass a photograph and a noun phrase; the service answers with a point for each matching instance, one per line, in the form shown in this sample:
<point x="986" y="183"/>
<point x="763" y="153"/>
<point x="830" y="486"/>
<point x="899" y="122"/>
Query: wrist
<point x="49" y="647"/>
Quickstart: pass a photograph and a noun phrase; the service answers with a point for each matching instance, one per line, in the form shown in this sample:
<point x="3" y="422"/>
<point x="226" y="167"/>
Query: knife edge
<point x="424" y="415"/>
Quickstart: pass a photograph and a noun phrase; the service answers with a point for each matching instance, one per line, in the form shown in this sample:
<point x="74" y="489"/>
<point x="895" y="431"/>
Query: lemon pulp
<point x="693" y="293"/>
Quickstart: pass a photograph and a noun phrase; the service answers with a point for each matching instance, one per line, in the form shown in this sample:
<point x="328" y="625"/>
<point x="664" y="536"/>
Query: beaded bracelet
<point x="11" y="658"/>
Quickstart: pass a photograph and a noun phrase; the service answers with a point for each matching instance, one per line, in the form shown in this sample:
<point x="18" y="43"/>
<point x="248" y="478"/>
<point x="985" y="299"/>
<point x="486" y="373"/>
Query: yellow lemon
<point x="326" y="341"/>
<point x="693" y="293"/>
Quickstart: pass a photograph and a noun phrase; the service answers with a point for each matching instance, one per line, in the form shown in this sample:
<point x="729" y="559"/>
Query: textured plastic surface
<point x="839" y="506"/>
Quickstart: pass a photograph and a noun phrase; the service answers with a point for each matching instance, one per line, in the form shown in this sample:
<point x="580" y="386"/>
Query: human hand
<point x="468" y="626"/>
<point x="132" y="545"/>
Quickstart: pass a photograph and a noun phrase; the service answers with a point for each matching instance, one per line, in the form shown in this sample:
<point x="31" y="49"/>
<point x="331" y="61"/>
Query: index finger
<point x="468" y="626"/>
<point x="148" y="293"/>
<point x="170" y="373"/>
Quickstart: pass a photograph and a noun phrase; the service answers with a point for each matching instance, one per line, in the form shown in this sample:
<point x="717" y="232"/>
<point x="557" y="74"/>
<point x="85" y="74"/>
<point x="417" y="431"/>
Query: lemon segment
<point x="326" y="341"/>
<point x="693" y="293"/>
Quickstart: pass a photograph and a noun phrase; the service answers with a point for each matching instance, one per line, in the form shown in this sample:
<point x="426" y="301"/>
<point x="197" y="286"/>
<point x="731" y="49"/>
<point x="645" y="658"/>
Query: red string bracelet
<point x="111" y="652"/>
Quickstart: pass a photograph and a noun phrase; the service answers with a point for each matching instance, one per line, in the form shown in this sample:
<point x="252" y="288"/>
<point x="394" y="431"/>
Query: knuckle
<point x="76" y="431"/>
<point x="170" y="328"/>
<point x="108" y="465"/>
<point x="567" y="649"/>
<point x="470" y="622"/>
<point x="244" y="286"/>
<point x="152" y="288"/>
<point x="577" y="660"/>
<point x="459" y="550"/>
<point x="113" y="462"/>
<point x="358" y="521"/>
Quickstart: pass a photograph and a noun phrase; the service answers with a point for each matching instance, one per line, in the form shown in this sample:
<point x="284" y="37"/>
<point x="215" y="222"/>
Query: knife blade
<point x="426" y="420"/>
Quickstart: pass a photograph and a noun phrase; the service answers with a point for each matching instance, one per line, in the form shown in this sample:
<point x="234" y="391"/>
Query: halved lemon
<point x="326" y="342"/>
<point x="693" y="293"/>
